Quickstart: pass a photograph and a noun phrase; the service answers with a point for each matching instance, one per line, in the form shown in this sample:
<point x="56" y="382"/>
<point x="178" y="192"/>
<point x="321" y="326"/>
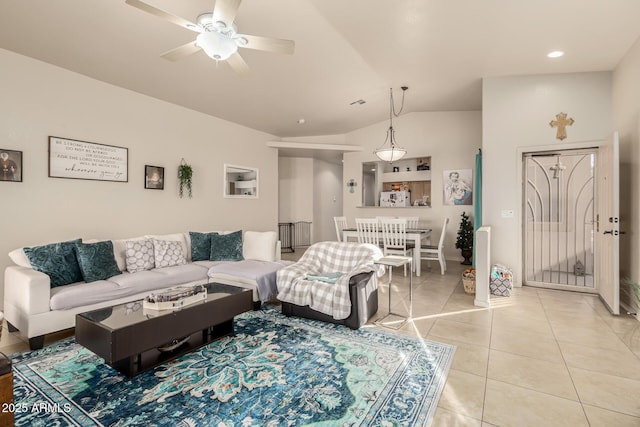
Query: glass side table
<point x="390" y="262"/>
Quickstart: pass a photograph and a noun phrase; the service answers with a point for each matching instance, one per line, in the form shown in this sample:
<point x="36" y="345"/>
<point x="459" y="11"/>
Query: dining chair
<point x="367" y="229"/>
<point x="394" y="238"/>
<point x="412" y="222"/>
<point x="436" y="253"/>
<point x="341" y="224"/>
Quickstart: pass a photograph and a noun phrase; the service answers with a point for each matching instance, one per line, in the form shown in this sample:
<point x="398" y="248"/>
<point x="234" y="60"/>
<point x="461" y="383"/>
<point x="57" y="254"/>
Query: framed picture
<point x="153" y="177"/>
<point x="458" y="187"/>
<point x="10" y="165"/>
<point x="69" y="158"/>
<point x="240" y="182"/>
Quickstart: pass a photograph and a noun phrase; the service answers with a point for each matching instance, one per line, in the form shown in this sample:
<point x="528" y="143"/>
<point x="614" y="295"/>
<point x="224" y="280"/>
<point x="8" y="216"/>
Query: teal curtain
<point x="477" y="199"/>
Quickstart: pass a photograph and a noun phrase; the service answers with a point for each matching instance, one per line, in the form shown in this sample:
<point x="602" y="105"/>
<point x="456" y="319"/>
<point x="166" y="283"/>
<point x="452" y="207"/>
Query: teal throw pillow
<point x="97" y="261"/>
<point x="57" y="260"/>
<point x="200" y="245"/>
<point x="226" y="247"/>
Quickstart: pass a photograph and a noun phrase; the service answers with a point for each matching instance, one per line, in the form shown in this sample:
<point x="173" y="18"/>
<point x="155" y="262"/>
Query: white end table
<point x="391" y="261"/>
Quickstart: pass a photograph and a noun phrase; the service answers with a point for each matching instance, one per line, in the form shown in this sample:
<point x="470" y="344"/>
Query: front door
<point x="608" y="224"/>
<point x="571" y="220"/>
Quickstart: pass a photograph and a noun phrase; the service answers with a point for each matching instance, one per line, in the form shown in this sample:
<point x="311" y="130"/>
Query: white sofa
<point x="34" y="308"/>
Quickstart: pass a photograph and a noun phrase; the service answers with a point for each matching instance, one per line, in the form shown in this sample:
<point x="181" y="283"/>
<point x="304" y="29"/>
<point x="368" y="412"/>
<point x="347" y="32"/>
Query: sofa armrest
<point x="27" y="289"/>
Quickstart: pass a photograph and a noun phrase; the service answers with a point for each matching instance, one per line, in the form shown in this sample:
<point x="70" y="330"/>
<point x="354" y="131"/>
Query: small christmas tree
<point x="465" y="233"/>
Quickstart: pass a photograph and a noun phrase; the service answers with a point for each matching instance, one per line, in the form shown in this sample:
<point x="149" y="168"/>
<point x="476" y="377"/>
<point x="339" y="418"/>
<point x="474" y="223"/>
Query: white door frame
<point x="520" y="151"/>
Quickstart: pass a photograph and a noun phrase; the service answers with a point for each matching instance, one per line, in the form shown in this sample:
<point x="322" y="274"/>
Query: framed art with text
<point x="69" y="158"/>
<point x="10" y="165"/>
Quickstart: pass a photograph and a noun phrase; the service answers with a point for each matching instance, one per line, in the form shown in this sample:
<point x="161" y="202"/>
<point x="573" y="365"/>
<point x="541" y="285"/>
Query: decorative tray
<point x="173" y="298"/>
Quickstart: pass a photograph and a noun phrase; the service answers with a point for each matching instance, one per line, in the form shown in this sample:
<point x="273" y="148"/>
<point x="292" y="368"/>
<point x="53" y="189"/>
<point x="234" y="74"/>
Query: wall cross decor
<point x="561" y="122"/>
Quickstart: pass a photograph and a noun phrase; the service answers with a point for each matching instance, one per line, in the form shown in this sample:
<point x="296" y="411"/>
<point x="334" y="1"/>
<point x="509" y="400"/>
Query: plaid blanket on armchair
<point x="328" y="257"/>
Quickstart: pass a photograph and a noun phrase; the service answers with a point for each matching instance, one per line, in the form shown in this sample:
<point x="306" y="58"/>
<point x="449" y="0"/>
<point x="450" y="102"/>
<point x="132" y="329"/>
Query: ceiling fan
<point x="218" y="36"/>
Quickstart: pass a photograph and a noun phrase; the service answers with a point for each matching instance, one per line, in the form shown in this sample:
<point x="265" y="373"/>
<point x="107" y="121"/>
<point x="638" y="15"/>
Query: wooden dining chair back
<point x="436" y="253"/>
<point x="394" y="238"/>
<point x="341" y="224"/>
<point x="412" y="222"/>
<point x="367" y="229"/>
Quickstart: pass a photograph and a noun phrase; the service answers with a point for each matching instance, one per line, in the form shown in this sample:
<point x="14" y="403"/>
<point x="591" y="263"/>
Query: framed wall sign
<point x="153" y="177"/>
<point x="69" y="158"/>
<point x="10" y="165"/>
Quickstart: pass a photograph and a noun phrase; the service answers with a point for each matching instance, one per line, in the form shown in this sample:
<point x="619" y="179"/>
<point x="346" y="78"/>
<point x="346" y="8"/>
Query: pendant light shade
<point x="392" y="152"/>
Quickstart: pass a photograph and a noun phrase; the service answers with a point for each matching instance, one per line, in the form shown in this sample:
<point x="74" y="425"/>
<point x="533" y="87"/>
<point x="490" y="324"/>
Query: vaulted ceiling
<point x="346" y="50"/>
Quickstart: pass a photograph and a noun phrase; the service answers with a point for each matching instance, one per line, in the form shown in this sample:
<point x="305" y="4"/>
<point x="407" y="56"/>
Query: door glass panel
<point x="559" y="218"/>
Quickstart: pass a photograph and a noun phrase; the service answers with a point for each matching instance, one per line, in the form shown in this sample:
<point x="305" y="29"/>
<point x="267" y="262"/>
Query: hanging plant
<point x="185" y="174"/>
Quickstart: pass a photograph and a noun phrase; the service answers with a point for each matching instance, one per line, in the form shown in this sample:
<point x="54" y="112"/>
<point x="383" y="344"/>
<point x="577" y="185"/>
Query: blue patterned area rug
<point x="275" y="371"/>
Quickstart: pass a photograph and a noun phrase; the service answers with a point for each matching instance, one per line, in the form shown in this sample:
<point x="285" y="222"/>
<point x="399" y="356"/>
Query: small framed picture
<point x="10" y="165"/>
<point x="153" y="177"/>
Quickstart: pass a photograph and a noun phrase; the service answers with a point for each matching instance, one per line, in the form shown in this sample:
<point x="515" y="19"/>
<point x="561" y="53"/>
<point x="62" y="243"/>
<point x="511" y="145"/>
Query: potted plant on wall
<point x="464" y="241"/>
<point x="185" y="174"/>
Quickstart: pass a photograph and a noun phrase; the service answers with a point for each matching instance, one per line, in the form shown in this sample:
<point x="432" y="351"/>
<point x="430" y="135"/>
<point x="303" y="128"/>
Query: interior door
<point x="608" y="224"/>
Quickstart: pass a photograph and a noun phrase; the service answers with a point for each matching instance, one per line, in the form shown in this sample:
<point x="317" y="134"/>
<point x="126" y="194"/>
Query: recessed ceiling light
<point x="301" y="121"/>
<point x="555" y="54"/>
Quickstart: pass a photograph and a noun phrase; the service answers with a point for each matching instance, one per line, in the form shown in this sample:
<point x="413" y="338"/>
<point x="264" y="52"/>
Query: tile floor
<point x="540" y="358"/>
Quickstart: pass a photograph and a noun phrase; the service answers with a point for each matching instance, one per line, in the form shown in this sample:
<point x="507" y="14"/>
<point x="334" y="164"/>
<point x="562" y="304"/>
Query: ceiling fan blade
<point x="181" y="51"/>
<point x="226" y="11"/>
<point x="267" y="43"/>
<point x="238" y="65"/>
<point x="165" y="15"/>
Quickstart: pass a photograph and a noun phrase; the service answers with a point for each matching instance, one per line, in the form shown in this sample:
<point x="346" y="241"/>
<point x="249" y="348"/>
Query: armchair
<point x="350" y="301"/>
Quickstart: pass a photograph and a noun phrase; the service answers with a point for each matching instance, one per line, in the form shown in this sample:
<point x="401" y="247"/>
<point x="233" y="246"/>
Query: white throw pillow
<point x="19" y="258"/>
<point x="259" y="245"/>
<point x="140" y="255"/>
<point x="176" y="237"/>
<point x="120" y="251"/>
<point x="168" y="253"/>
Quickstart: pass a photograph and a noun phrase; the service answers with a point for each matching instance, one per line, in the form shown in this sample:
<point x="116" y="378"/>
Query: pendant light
<point x="392" y="152"/>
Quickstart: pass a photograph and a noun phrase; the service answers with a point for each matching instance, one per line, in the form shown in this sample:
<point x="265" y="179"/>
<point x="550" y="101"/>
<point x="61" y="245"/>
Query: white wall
<point x="626" y="119"/>
<point x="39" y="100"/>
<point x="310" y="190"/>
<point x="516" y="112"/>
<point x="452" y="139"/>
<point x="296" y="189"/>
<point x="327" y="199"/>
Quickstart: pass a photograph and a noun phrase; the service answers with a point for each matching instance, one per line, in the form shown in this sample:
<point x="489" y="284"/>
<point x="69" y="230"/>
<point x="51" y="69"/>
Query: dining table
<point x="415" y="235"/>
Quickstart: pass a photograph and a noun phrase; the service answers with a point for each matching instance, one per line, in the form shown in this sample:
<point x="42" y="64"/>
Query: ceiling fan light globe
<point x="216" y="45"/>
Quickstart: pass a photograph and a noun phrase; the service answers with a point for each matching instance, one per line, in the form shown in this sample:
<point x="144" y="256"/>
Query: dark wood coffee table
<point x="127" y="336"/>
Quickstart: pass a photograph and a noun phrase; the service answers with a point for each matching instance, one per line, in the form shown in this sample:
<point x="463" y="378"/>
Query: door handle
<point x="608" y="232"/>
<point x="614" y="232"/>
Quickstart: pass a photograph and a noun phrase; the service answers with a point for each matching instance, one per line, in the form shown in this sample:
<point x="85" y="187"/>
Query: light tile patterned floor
<point x="539" y="358"/>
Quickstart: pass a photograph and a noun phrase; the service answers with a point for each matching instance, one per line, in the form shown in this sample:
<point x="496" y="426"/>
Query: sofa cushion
<point x="142" y="281"/>
<point x="259" y="245"/>
<point x="140" y="255"/>
<point x="82" y="294"/>
<point x="226" y="247"/>
<point x="180" y="274"/>
<point x="168" y="253"/>
<point x="200" y="245"/>
<point x="57" y="260"/>
<point x="97" y="261"/>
